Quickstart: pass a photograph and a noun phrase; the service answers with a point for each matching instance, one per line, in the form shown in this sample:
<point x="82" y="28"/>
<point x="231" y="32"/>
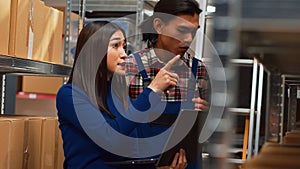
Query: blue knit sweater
<point x="81" y="152"/>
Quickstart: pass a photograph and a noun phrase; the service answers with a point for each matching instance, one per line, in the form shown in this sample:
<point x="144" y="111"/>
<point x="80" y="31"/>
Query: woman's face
<point x="116" y="54"/>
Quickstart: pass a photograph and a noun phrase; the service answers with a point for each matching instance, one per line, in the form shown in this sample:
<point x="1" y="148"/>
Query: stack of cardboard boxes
<point x="35" y="31"/>
<point x="30" y="142"/>
<point x="32" y="30"/>
<point x="5" y="26"/>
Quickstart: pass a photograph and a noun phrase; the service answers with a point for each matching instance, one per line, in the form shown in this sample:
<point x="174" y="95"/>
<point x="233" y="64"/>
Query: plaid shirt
<point x="152" y="65"/>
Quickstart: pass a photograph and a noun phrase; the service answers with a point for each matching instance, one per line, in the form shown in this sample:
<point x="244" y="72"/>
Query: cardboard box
<point x="36" y="31"/>
<point x="40" y="84"/>
<point x="57" y="32"/>
<point x="49" y="143"/>
<point x="5" y="26"/>
<point x="42" y="133"/>
<point x="47" y="31"/>
<point x="41" y="38"/>
<point x="32" y="106"/>
<point x="39" y="142"/>
<point x="33" y="146"/>
<point x="19" y="28"/>
<point x="59" y="151"/>
<point x="73" y="33"/>
<point x="11" y="143"/>
<point x="31" y="142"/>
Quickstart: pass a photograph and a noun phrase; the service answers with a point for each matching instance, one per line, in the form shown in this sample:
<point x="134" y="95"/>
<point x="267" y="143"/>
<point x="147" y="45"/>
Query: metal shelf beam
<point x="107" y="5"/>
<point x="239" y="111"/>
<point x="19" y="66"/>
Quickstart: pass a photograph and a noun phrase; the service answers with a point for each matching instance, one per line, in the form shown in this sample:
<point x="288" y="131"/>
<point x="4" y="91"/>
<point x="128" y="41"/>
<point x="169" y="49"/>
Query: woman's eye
<point x="115" y="45"/>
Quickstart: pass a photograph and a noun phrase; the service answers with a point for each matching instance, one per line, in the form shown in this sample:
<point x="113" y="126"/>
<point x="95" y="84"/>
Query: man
<point x="169" y="32"/>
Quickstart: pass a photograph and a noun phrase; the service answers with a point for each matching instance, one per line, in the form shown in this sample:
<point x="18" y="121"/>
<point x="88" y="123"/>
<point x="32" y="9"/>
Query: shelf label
<point x="32" y="96"/>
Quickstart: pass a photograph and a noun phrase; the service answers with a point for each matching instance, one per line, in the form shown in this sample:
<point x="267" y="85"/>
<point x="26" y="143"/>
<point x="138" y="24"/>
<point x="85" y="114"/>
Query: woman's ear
<point x="158" y="25"/>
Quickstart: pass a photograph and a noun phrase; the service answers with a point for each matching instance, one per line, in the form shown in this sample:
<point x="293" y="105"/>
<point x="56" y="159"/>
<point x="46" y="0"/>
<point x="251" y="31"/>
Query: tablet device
<point x="134" y="162"/>
<point x="189" y="143"/>
<point x="186" y="130"/>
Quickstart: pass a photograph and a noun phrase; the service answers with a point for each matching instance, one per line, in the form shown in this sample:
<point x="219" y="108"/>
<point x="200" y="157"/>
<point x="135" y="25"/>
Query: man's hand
<point x="165" y="78"/>
<point x="179" y="161"/>
<point x="200" y="104"/>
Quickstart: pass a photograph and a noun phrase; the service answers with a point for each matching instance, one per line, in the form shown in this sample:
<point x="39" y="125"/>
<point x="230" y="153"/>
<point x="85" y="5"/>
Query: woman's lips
<point x="122" y="65"/>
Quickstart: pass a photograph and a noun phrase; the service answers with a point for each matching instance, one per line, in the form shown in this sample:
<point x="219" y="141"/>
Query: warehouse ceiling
<point x="276" y="50"/>
<point x="270" y="31"/>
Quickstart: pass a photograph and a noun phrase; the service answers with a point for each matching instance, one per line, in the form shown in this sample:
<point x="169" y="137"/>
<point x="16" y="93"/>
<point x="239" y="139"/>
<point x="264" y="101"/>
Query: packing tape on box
<point x="30" y="32"/>
<point x="26" y="154"/>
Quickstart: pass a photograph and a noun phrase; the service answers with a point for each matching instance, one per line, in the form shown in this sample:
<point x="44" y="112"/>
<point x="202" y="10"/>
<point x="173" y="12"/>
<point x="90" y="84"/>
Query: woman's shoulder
<point x="64" y="89"/>
<point x="69" y="91"/>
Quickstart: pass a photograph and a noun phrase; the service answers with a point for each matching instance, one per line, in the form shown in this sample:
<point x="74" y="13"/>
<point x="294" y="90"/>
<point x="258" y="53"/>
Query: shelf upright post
<point x="252" y="108"/>
<point x="292" y="111"/>
<point x="67" y="32"/>
<point x="273" y="120"/>
<point x="268" y="106"/>
<point x="259" y="103"/>
<point x="281" y="131"/>
<point x="139" y="20"/>
<point x="201" y="32"/>
<point x="82" y="9"/>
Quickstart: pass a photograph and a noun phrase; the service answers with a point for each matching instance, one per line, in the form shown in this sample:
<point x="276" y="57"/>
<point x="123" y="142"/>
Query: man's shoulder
<point x="201" y="63"/>
<point x="146" y="56"/>
<point x="140" y="53"/>
<point x="191" y="57"/>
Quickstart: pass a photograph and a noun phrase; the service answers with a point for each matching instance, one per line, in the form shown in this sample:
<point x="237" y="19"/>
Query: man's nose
<point x="188" y="38"/>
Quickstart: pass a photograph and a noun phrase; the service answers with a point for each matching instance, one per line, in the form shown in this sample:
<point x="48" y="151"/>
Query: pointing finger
<point x="171" y="62"/>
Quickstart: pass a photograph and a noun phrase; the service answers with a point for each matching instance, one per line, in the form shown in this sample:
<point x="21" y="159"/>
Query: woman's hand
<point x="179" y="161"/>
<point x="165" y="78"/>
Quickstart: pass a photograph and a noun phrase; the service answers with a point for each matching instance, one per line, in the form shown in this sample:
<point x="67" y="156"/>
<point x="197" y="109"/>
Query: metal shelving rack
<point x="253" y="113"/>
<point x="275" y="96"/>
<point x="18" y="66"/>
<point x="259" y="16"/>
<point x="91" y="10"/>
<point x="275" y="104"/>
<point x="293" y="82"/>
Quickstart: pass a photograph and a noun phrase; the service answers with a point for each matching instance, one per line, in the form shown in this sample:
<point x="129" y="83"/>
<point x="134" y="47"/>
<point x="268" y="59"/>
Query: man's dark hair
<point x="176" y="7"/>
<point x="167" y="10"/>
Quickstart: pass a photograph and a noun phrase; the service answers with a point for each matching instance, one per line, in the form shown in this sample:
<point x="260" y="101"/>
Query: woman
<point x="93" y="114"/>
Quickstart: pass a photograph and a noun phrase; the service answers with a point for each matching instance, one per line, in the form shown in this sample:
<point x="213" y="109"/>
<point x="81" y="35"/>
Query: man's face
<point x="177" y="35"/>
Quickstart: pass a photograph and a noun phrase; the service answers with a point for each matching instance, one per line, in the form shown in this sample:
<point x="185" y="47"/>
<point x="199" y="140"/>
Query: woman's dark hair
<point x="167" y="10"/>
<point x="96" y="35"/>
<point x="83" y="37"/>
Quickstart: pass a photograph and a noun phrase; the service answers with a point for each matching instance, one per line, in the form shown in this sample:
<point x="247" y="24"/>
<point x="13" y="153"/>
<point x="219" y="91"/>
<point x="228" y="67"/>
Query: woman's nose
<point x="123" y="53"/>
